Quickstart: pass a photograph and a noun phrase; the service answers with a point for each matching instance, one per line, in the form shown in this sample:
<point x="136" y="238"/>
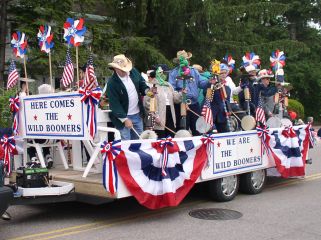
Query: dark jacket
<point x="217" y="105"/>
<point x="118" y="96"/>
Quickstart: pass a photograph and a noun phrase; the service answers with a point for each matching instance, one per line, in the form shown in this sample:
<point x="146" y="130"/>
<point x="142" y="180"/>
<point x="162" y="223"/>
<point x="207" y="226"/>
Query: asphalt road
<point x="286" y="209"/>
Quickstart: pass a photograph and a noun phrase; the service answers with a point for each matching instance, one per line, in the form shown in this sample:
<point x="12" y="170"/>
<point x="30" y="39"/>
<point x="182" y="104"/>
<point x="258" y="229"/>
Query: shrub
<point x="296" y="106"/>
<point x="5" y="114"/>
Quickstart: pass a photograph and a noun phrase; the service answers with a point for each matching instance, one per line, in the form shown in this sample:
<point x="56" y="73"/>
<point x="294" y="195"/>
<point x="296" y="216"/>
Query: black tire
<point x="253" y="182"/>
<point x="6" y="196"/>
<point x="218" y="192"/>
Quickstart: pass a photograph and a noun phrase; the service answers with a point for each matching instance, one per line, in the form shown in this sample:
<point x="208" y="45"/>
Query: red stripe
<point x="166" y="200"/>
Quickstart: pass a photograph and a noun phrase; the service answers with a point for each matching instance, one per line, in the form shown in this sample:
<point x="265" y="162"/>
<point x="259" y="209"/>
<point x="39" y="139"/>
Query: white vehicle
<point x="235" y="160"/>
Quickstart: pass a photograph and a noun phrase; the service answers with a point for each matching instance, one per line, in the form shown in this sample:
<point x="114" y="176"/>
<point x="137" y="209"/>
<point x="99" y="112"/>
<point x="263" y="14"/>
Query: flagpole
<point x="26" y="76"/>
<point x="50" y="70"/>
<point x="77" y="70"/>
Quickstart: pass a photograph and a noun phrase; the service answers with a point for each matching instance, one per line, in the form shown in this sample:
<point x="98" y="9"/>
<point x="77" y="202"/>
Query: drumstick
<point x="239" y="112"/>
<point x="163" y="125"/>
<point x="236" y="116"/>
<point x="136" y="132"/>
<point x="193" y="112"/>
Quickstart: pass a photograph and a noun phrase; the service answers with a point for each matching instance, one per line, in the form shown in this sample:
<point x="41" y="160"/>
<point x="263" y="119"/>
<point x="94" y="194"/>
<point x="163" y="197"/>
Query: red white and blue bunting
<point x="14" y="107"/>
<point x="110" y="151"/>
<point x="142" y="167"/>
<point x="91" y="98"/>
<point x="288" y="148"/>
<point x="208" y="140"/>
<point x="9" y="146"/>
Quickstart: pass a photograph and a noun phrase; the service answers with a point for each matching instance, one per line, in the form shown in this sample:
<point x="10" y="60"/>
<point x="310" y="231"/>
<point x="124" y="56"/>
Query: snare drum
<point x="274" y="122"/>
<point x="248" y="122"/>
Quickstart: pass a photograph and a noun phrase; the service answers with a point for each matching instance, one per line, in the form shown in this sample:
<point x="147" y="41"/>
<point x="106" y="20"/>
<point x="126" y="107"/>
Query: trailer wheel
<point x="253" y="182"/>
<point x="224" y="189"/>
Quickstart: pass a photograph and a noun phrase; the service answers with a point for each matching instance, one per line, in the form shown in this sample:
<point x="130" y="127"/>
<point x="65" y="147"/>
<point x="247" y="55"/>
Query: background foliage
<point x="152" y="31"/>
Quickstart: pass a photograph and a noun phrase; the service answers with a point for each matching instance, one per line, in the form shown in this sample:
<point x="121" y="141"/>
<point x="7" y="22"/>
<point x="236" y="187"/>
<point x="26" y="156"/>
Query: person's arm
<point x="114" y="103"/>
<point x="202" y="83"/>
<point x="143" y="88"/>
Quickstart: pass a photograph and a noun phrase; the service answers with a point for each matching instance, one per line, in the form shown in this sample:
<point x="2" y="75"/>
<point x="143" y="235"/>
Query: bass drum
<point x="285" y="122"/>
<point x="274" y="122"/>
<point x="248" y="123"/>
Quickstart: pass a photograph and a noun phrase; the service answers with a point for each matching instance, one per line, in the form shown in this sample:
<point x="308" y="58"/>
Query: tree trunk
<point x="3" y="32"/>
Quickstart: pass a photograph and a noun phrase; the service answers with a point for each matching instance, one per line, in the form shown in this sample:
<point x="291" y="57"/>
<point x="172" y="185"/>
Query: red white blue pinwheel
<point x="45" y="38"/>
<point x="19" y="44"/>
<point x="230" y="62"/>
<point x="74" y="31"/>
<point x="251" y="59"/>
<point x="277" y="60"/>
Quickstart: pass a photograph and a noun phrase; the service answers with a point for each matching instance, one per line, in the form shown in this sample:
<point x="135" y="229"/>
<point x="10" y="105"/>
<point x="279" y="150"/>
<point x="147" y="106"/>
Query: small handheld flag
<point x="68" y="74"/>
<point x="13" y="75"/>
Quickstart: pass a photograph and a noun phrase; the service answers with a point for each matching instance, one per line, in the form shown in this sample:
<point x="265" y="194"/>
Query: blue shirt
<point x="191" y="85"/>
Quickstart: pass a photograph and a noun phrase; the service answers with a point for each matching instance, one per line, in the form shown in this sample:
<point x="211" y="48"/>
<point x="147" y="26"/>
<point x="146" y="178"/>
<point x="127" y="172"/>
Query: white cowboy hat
<point x="265" y="74"/>
<point x="122" y="63"/>
<point x="250" y="68"/>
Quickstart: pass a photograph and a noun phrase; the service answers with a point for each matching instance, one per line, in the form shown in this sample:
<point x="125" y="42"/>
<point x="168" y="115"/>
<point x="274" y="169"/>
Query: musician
<point x="218" y="104"/>
<point x="192" y="87"/>
<point x="247" y="80"/>
<point x="165" y="99"/>
<point x="266" y="92"/>
<point x="124" y="91"/>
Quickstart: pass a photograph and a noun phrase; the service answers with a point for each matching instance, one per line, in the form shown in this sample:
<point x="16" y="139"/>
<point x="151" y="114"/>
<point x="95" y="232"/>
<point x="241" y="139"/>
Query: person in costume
<point x="266" y="92"/>
<point x="192" y="86"/>
<point x="124" y="91"/>
<point x="165" y="99"/>
<point x="218" y="104"/>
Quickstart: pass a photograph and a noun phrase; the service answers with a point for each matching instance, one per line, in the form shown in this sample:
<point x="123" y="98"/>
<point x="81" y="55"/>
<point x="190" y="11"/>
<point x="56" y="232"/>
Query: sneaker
<point x="6" y="216"/>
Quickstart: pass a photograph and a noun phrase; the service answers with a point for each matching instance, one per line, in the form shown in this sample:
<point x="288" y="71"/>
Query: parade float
<point x="92" y="164"/>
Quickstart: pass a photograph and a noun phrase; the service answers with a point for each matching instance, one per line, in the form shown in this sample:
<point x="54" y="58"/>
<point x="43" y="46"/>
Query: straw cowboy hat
<point x="198" y="67"/>
<point x="265" y="74"/>
<point x="122" y="63"/>
<point x="182" y="53"/>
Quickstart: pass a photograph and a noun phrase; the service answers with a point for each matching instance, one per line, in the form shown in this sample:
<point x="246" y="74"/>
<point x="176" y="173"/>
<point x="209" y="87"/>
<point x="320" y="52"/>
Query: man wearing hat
<point x="124" y="90"/>
<point x="192" y="93"/>
<point x="248" y="80"/>
<point x="266" y="92"/>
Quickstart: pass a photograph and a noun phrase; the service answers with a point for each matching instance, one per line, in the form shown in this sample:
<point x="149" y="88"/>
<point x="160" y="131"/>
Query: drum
<point x="274" y="122"/>
<point x="285" y="122"/>
<point x="202" y="126"/>
<point x="248" y="122"/>
<point x="234" y="124"/>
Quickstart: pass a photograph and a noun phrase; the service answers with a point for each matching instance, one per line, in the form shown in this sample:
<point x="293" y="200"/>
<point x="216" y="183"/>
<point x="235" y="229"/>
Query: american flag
<point x="90" y="77"/>
<point x="68" y="75"/>
<point x="259" y="114"/>
<point x="207" y="112"/>
<point x="13" y="75"/>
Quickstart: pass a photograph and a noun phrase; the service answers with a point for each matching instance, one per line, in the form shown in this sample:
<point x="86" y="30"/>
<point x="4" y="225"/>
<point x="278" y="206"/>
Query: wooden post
<point x="77" y="67"/>
<point x="26" y="76"/>
<point x="50" y="70"/>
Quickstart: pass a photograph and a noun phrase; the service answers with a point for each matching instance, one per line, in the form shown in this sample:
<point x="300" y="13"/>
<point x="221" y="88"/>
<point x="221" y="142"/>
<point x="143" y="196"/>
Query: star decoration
<point x="35" y="117"/>
<point x="69" y="116"/>
<point x="218" y="144"/>
<point x="251" y="150"/>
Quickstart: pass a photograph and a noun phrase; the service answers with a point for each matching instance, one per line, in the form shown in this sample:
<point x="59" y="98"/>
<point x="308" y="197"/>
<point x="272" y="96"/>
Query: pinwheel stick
<point x="26" y="76"/>
<point x="77" y="70"/>
<point x="50" y="71"/>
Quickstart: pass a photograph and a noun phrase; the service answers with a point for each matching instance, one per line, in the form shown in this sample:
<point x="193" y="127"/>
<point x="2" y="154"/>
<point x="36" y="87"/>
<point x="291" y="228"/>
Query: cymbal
<point x="27" y="80"/>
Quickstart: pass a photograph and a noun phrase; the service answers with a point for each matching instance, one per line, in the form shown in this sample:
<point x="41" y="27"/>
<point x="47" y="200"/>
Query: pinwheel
<point x="74" y="31"/>
<point x="230" y="62"/>
<point x="251" y="59"/>
<point x="45" y="38"/>
<point x="19" y="44"/>
<point x="277" y="60"/>
<point x="45" y="43"/>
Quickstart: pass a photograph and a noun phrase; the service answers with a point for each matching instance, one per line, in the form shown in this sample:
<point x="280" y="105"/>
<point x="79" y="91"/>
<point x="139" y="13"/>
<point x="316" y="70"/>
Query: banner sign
<point x="54" y="116"/>
<point x="234" y="152"/>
